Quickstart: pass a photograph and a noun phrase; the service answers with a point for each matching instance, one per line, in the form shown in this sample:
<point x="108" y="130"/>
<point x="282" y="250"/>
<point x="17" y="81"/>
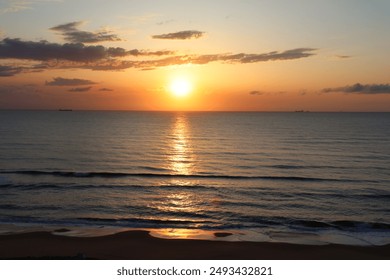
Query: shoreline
<point x="141" y="245"/>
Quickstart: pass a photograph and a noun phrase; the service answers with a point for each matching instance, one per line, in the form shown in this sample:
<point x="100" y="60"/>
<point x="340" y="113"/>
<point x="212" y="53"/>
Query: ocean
<point x="279" y="177"/>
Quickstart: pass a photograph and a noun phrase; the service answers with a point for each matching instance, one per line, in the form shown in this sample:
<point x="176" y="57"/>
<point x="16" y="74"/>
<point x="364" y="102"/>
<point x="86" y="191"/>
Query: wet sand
<point x="140" y="245"/>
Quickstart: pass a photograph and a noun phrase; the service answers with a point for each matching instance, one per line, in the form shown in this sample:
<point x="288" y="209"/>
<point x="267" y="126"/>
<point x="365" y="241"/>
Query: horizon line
<point x="189" y="111"/>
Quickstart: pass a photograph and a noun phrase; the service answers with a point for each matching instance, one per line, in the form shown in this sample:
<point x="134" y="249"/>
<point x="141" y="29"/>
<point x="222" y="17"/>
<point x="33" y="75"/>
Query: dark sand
<point x="141" y="246"/>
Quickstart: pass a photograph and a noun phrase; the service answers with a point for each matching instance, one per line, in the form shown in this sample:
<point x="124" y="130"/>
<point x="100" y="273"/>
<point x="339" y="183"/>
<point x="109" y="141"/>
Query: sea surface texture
<point x="275" y="175"/>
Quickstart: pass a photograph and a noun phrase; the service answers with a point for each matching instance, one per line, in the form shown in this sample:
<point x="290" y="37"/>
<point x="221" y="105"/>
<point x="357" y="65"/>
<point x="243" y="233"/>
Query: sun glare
<point x="180" y="87"/>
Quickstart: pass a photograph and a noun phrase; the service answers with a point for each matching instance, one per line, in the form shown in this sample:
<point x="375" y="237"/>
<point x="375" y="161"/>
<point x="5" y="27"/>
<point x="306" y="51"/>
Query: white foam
<point x="356" y="238"/>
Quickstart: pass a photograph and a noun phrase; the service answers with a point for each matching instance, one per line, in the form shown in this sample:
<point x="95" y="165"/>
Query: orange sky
<point x="235" y="55"/>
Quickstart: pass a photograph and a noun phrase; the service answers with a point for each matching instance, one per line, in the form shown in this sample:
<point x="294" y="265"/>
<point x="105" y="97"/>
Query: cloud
<point x="14" y="6"/>
<point x="97" y="57"/>
<point x="44" y="51"/>
<point x="237" y="58"/>
<point x="80" y="89"/>
<point x="69" y="82"/>
<point x="105" y="89"/>
<point x="72" y="34"/>
<point x="231" y="58"/>
<point x="8" y="71"/>
<point x="78" y="52"/>
<point x="286" y="55"/>
<point x="343" y="56"/>
<point x="241" y="58"/>
<point x="136" y="52"/>
<point x="181" y="35"/>
<point x="256" y="92"/>
<point x="362" y="89"/>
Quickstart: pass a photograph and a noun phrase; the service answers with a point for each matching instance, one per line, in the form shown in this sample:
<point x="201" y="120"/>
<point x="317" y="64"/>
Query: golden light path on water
<point x="180" y="205"/>
<point x="181" y="156"/>
<point x="180" y="233"/>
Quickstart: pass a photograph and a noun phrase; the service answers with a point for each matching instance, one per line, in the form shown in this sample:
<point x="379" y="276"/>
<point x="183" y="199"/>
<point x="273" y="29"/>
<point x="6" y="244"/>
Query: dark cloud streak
<point x="136" y="52"/>
<point x="77" y="52"/>
<point x="286" y="55"/>
<point x="45" y="51"/>
<point x="181" y="35"/>
<point x="80" y="89"/>
<point x="343" y="56"/>
<point x="58" y="81"/>
<point x="8" y="71"/>
<point x="72" y="34"/>
<point x="256" y="92"/>
<point x="105" y="89"/>
<point x="361" y="89"/>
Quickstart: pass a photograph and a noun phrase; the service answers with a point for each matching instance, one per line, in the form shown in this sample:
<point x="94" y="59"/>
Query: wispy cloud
<point x="72" y="34"/>
<point x="136" y="52"/>
<point x="8" y="71"/>
<point x="80" y="89"/>
<point x="231" y="58"/>
<point x="259" y="93"/>
<point x="361" y="89"/>
<point x="256" y="92"/>
<point x="286" y="55"/>
<point x="242" y="58"/>
<point x="14" y="6"/>
<point x="181" y="35"/>
<point x="58" y="81"/>
<point x="342" y="56"/>
<point x="105" y="89"/>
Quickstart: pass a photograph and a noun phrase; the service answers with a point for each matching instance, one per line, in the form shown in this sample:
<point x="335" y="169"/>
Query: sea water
<point x="267" y="176"/>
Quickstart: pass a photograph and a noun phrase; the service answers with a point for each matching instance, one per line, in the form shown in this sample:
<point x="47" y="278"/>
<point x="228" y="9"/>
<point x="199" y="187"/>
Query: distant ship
<point x="65" y="110"/>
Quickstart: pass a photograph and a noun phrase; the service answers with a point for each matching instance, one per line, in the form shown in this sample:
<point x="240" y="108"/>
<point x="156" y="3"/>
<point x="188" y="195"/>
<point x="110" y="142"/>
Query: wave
<point x="141" y="221"/>
<point x="29" y="208"/>
<point x="301" y="224"/>
<point x="286" y="166"/>
<point x="360" y="225"/>
<point x="294" y="225"/>
<point x="60" y="186"/>
<point x="167" y="175"/>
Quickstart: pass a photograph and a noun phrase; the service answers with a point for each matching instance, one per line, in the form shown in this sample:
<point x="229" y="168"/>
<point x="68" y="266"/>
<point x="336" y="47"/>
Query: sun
<point x="180" y="87"/>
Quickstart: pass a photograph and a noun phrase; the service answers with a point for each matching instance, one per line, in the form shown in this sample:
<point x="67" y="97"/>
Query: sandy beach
<point x="139" y="244"/>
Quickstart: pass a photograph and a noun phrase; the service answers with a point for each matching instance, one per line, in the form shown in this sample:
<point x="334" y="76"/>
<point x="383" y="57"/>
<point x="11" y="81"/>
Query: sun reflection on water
<point x="179" y="206"/>
<point x="181" y="156"/>
<point x="180" y="233"/>
<point x="185" y="202"/>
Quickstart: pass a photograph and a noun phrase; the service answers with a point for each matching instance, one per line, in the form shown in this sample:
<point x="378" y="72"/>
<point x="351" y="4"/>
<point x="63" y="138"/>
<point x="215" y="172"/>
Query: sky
<point x="177" y="55"/>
